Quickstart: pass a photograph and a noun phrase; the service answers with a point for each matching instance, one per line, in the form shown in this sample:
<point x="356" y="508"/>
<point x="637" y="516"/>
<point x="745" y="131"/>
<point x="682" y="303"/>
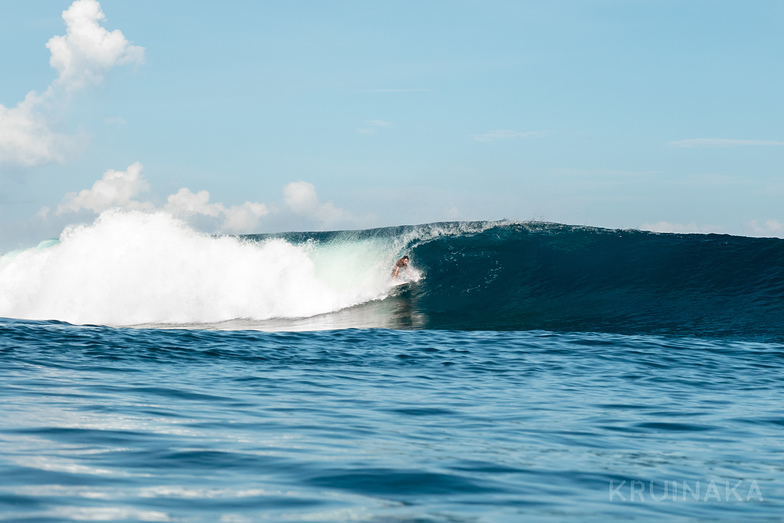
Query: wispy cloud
<point x="27" y="137"/>
<point x="114" y="120"/>
<point x="82" y="56"/>
<point x="414" y="90"/>
<point x="769" y="228"/>
<point x="721" y="142"/>
<point x="505" y="134"/>
<point x="371" y="126"/>
<point x="599" y="172"/>
<point x="690" y="227"/>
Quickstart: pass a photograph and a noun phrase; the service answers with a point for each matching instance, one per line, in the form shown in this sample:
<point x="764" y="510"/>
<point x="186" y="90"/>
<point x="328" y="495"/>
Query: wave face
<point x="563" y="278"/>
<point x="150" y="269"/>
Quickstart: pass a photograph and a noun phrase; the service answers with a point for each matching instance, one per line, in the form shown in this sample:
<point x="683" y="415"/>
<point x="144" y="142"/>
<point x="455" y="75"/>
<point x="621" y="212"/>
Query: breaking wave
<point x="131" y="268"/>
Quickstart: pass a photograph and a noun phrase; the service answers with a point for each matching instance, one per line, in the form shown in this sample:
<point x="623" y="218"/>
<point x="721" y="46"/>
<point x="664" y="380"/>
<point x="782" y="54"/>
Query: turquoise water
<point x="530" y="372"/>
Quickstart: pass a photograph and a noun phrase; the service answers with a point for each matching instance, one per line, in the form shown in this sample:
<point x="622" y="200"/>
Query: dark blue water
<point x="383" y="425"/>
<point x="565" y="278"/>
<point x="535" y="373"/>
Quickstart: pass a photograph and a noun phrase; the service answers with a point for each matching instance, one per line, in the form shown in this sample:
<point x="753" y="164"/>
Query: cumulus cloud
<point x="87" y="50"/>
<point x="243" y="218"/>
<point x="127" y="190"/>
<point x="82" y="56"/>
<point x="690" y="227"/>
<point x="505" y="134"/>
<point x="114" y="189"/>
<point x="770" y="228"/>
<point x="236" y="218"/>
<point x="185" y="202"/>
<point x="124" y="189"/>
<point x="721" y="142"/>
<point x="301" y="198"/>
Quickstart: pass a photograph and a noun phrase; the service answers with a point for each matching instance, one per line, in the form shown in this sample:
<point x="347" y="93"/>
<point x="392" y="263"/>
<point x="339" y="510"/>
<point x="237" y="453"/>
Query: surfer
<point x="402" y="263"/>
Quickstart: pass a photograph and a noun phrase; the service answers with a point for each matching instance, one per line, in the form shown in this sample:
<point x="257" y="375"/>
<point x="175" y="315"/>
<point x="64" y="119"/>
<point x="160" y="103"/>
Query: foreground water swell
<point x="379" y="425"/>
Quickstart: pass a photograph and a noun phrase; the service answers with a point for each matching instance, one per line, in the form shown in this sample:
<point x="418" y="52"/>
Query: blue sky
<point x="268" y="116"/>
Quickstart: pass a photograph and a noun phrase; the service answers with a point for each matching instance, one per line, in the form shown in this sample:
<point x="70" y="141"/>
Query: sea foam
<point x="131" y="268"/>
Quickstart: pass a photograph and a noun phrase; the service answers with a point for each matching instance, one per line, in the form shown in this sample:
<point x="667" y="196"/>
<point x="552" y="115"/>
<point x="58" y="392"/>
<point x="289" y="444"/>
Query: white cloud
<point x="243" y="218"/>
<point x="122" y="190"/>
<point x="721" y="142"/>
<point x="126" y="189"/>
<point x="237" y="218"/>
<point x="114" y="189"/>
<point x="184" y="202"/>
<point x="505" y="134"/>
<point x="302" y="199"/>
<point x="688" y="228"/>
<point x="81" y="57"/>
<point x="87" y="50"/>
<point x="26" y="137"/>
<point x="770" y="228"/>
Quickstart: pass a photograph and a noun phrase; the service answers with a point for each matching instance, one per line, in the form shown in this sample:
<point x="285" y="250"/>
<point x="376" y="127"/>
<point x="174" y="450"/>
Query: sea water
<point x="522" y="372"/>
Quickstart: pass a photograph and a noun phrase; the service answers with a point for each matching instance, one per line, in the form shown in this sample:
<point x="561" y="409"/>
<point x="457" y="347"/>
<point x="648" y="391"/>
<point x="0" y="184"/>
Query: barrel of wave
<point x="130" y="268"/>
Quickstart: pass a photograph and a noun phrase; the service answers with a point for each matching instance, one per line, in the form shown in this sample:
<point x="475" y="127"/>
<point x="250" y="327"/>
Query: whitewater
<point x="521" y="371"/>
<point x="132" y="268"/>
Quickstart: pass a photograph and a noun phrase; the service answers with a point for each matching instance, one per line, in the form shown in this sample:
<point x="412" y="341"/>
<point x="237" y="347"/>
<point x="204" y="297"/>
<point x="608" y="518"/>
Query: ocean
<point x="519" y="372"/>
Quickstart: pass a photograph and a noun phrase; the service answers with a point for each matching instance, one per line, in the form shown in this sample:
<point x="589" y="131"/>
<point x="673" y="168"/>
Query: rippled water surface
<point x="379" y="425"/>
